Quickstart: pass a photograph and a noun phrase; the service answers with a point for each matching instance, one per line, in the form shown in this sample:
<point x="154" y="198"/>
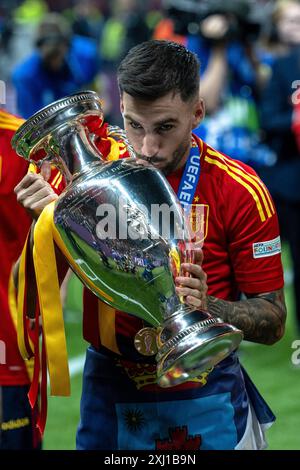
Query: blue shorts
<point x="118" y="414"/>
<point x="16" y="428"/>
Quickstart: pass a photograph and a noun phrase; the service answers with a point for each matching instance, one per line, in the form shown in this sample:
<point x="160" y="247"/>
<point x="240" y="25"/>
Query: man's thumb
<point x="198" y="256"/>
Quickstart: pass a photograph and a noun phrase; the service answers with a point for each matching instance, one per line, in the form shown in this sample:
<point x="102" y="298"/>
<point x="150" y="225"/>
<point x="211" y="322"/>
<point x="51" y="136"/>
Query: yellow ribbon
<point x="45" y="233"/>
<point x="50" y="304"/>
<point x="12" y="303"/>
<point x="21" y="328"/>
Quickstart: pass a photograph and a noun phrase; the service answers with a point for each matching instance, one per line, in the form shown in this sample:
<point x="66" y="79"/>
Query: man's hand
<point x="193" y="286"/>
<point x="34" y="192"/>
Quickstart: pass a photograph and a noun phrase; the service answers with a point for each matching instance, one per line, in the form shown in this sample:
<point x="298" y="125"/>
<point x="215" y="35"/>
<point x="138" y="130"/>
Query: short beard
<point x="177" y="157"/>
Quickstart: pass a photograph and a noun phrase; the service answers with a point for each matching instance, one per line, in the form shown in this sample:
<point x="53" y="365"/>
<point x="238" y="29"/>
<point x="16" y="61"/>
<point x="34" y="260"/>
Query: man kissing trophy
<point x="107" y="223"/>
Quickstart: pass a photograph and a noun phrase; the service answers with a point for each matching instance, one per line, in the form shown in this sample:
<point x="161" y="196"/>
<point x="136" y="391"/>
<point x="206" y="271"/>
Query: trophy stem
<point x="72" y="148"/>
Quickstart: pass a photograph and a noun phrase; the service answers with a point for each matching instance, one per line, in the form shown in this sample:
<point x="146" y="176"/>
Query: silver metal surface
<point x="134" y="267"/>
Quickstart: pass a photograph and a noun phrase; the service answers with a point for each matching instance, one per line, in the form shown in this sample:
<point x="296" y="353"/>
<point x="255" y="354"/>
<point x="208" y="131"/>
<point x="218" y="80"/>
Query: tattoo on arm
<point x="261" y="317"/>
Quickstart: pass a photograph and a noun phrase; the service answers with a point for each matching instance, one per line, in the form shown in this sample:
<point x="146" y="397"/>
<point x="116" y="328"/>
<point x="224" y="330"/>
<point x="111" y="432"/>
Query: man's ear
<point x="199" y="112"/>
<point x="121" y="105"/>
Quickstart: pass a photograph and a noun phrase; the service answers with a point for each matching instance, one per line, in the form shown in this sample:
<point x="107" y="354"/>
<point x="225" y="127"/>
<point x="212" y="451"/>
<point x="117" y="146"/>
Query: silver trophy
<point x="127" y="235"/>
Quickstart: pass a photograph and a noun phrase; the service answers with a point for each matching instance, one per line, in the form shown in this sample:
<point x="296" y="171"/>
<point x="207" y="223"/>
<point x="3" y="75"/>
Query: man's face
<point x="160" y="130"/>
<point x="53" y="55"/>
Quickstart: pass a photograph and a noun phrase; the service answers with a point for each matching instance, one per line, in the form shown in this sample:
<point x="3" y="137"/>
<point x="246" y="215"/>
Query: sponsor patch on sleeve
<point x="268" y="248"/>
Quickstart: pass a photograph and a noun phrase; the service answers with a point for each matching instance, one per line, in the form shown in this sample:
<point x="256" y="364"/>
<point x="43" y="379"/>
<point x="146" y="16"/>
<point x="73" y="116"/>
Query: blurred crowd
<point x="250" y="67"/>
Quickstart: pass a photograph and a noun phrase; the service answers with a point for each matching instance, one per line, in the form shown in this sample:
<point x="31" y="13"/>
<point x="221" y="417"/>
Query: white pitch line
<point x="76" y="365"/>
<point x="288" y="277"/>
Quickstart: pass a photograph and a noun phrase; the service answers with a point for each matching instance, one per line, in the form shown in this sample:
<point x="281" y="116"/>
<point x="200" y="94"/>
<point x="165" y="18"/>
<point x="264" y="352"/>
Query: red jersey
<point x="15" y="224"/>
<point x="241" y="242"/>
<point x="241" y="245"/>
<point x="14" y="227"/>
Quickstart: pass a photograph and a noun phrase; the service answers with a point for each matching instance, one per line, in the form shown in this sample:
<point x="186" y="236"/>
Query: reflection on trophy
<point x="126" y="236"/>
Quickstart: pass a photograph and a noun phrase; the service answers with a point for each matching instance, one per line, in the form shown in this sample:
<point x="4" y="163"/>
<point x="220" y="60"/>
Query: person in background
<point x="17" y="430"/>
<point x="87" y="19"/>
<point x="279" y="111"/>
<point x="60" y="65"/>
<point x="222" y="33"/>
<point x="17" y="420"/>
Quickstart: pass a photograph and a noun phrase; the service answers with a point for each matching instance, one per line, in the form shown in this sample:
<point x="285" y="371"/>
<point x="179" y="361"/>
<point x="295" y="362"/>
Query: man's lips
<point x="150" y="161"/>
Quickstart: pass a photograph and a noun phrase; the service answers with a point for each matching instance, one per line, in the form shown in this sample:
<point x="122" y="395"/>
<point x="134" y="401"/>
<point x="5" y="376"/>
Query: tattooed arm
<point x="261" y="317"/>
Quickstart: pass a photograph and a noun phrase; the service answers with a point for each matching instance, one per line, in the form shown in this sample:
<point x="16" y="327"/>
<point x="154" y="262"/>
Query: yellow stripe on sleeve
<point x="9" y="127"/>
<point x="10" y="122"/>
<point x="256" y="181"/>
<point x="242" y="182"/>
<point x="58" y="181"/>
<point x="55" y="179"/>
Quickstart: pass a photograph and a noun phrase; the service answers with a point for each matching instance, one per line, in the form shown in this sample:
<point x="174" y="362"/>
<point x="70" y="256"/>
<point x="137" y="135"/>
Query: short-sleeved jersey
<point x="241" y="246"/>
<point x="14" y="227"/>
<point x="241" y="243"/>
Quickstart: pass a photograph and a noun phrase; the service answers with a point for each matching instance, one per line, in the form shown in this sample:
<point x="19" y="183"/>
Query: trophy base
<point x="195" y="350"/>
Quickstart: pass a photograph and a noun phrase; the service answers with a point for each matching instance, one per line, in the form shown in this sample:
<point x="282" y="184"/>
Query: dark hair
<point x="154" y="68"/>
<point x="53" y="29"/>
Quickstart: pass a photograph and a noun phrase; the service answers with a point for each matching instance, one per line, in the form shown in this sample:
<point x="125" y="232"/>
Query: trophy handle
<point x="62" y="134"/>
<point x="37" y="140"/>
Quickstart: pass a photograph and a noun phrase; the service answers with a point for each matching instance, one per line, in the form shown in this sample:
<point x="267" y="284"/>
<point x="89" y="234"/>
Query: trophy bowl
<point x="126" y="236"/>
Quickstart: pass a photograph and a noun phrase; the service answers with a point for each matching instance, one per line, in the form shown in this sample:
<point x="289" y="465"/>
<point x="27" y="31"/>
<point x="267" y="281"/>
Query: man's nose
<point x="150" y="146"/>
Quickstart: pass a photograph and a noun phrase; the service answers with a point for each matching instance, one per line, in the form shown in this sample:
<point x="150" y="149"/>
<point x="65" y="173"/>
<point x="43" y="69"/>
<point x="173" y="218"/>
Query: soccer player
<point x="16" y="428"/>
<point x="17" y="420"/>
<point x="122" y="407"/>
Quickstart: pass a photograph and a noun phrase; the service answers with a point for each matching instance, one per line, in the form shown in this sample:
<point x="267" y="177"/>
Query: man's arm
<point x="261" y="317"/>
